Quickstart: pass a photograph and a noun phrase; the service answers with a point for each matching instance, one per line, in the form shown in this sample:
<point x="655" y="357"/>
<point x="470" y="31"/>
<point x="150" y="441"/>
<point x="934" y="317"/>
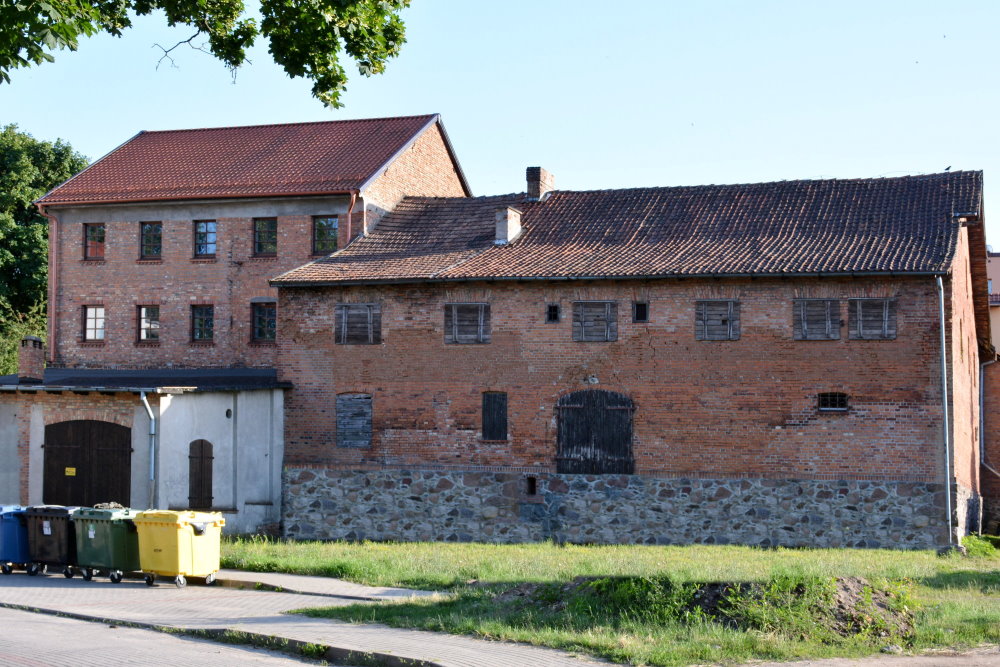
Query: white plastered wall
<point x="10" y="462"/>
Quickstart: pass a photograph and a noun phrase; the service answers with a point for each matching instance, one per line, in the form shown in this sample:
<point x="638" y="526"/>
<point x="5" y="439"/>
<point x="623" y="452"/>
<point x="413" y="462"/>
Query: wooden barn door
<point x="595" y="433"/>
<point x="87" y="462"/>
<point x="200" y="475"/>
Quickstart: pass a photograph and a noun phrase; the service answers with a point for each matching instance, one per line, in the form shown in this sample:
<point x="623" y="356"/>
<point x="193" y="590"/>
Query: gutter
<point x="51" y="307"/>
<point x="944" y="405"/>
<point x="982" y="418"/>
<point x="152" y="449"/>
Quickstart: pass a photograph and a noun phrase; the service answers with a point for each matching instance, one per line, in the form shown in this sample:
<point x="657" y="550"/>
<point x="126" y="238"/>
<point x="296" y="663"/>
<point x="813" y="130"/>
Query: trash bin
<point x="13" y="538"/>
<point x="51" y="539"/>
<point x="179" y="544"/>
<point x="106" y="540"/>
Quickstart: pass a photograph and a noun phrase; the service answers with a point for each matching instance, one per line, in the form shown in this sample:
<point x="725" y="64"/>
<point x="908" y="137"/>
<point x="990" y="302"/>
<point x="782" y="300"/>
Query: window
<point x="202" y="323"/>
<point x="872" y="319"/>
<point x="265" y="237"/>
<point x="93" y="241"/>
<point x="717" y="320"/>
<point x="552" y="312"/>
<point x="640" y="311"/>
<point x="149" y="324"/>
<point x="467" y="323"/>
<point x="494" y="415"/>
<point x="816" y="319"/>
<point x="358" y="324"/>
<point x="354" y="421"/>
<point x="832" y="402"/>
<point x="150" y="240"/>
<point x="265" y="318"/>
<point x="93" y="322"/>
<point x="324" y="234"/>
<point x="595" y="321"/>
<point x="204" y="238"/>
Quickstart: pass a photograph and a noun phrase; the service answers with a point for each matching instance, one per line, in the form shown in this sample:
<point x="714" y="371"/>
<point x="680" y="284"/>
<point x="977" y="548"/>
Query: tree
<point x="28" y="169"/>
<point x="306" y="38"/>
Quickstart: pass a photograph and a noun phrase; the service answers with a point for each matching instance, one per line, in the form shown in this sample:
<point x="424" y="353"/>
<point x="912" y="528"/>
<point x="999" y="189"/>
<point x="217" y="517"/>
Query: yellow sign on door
<point x="71" y="472"/>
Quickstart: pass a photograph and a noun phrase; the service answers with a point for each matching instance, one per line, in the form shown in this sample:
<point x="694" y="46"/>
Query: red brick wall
<point x="964" y="363"/>
<point x="991" y="442"/>
<point x="737" y="408"/>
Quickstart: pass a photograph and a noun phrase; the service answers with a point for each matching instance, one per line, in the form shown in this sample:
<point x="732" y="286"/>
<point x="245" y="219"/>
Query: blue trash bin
<point x="13" y="538"/>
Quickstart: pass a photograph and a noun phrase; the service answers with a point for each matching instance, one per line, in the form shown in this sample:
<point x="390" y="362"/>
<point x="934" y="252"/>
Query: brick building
<point x="792" y="363"/>
<point x="160" y="387"/>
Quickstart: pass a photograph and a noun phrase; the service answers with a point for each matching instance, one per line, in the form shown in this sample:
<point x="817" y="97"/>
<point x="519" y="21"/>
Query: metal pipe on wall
<point x="152" y="449"/>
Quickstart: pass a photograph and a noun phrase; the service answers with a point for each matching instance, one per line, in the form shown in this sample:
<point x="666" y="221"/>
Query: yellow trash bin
<point x="178" y="544"/>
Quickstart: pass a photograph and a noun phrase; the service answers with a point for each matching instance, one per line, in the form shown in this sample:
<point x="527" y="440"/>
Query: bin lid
<point x="10" y="508"/>
<point x="179" y="517"/>
<point x="49" y="510"/>
<point x="84" y="513"/>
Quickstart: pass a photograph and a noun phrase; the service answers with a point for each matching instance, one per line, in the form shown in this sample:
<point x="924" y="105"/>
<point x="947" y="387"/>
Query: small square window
<point x="93" y="241"/>
<point x="552" y="312"/>
<point x="640" y="311"/>
<point x="832" y="402"/>
<point x="324" y="234"/>
<point x="204" y="238"/>
<point x="150" y="240"/>
<point x="202" y="323"/>
<point x="93" y="323"/>
<point x="149" y="324"/>
<point x="265" y="318"/>
<point x="265" y="237"/>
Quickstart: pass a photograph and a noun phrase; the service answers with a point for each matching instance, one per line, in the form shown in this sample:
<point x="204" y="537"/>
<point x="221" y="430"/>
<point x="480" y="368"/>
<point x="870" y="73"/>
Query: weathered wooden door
<point x="200" y="460"/>
<point x="87" y="462"/>
<point x="595" y="433"/>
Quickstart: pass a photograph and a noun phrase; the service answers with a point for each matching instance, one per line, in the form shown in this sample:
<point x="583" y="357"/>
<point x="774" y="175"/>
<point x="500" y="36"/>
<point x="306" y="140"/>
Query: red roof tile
<point x="254" y="161"/>
<point x="877" y="225"/>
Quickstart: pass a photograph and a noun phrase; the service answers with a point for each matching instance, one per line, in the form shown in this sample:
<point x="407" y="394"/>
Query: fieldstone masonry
<point x="449" y="505"/>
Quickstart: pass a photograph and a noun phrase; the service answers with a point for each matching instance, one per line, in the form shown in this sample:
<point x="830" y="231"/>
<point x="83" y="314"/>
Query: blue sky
<point x="603" y="95"/>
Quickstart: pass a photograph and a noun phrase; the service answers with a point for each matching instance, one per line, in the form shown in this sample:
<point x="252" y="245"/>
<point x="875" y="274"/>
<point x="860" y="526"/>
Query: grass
<point x="637" y="607"/>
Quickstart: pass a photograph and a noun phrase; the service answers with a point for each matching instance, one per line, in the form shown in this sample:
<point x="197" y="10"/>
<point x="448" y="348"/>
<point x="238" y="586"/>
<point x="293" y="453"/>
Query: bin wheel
<point x="6" y="568"/>
<point x="32" y="569"/>
<point x="210" y="579"/>
<point x="180" y="581"/>
<point x="68" y="572"/>
<point x="150" y="579"/>
<point x="115" y="576"/>
<point x="87" y="574"/>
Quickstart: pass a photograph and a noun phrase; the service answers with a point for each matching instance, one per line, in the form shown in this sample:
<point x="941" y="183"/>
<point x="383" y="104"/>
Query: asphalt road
<point x="42" y="640"/>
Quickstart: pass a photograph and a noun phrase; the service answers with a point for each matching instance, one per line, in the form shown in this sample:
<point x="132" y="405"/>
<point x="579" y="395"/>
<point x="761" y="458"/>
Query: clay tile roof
<point x="254" y="161"/>
<point x="879" y="225"/>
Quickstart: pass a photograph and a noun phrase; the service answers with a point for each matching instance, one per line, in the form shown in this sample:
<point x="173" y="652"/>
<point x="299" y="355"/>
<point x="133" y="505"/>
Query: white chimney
<point x="508" y="225"/>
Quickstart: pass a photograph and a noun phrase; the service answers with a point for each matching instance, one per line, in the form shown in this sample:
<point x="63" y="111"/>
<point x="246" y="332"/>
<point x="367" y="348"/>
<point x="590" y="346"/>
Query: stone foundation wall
<point x="449" y="505"/>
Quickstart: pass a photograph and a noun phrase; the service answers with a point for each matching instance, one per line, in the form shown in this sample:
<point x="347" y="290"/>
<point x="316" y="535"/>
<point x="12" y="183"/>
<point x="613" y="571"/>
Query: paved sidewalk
<point x="296" y="583"/>
<point x="199" y="607"/>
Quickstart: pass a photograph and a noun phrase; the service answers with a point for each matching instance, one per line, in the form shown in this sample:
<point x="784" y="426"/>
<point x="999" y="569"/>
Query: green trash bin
<point x="106" y="541"/>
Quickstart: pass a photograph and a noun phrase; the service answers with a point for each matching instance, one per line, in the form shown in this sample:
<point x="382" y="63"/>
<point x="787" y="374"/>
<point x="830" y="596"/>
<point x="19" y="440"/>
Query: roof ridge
<point x="304" y="122"/>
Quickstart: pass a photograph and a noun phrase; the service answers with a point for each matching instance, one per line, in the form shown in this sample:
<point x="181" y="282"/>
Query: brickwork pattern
<point x="990" y="479"/>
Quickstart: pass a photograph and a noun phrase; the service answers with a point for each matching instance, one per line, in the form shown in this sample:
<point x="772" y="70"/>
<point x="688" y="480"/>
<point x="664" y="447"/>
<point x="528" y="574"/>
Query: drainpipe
<point x="152" y="450"/>
<point x="51" y="307"/>
<point x="350" y="217"/>
<point x="944" y="405"/>
<point x="982" y="419"/>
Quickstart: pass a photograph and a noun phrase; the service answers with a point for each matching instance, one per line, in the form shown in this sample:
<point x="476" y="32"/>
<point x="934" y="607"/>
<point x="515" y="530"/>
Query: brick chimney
<point x="30" y="360"/>
<point x="540" y="183"/>
<point x="508" y="225"/>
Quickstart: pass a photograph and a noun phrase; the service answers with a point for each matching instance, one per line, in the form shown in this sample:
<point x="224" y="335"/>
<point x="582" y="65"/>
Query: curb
<point x="240" y="584"/>
<point x="293" y="647"/>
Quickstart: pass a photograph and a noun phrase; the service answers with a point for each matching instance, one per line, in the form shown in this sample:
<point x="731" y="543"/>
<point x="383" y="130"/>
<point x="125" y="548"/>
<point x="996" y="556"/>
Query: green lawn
<point x="638" y="610"/>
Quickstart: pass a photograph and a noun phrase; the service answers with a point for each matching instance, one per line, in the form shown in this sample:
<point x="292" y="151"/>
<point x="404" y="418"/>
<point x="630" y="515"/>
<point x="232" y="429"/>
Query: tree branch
<point x="166" y="52"/>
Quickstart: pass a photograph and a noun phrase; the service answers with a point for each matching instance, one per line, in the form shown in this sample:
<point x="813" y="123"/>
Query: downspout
<point x="350" y="217"/>
<point x="982" y="418"/>
<point x="944" y="405"/>
<point x="152" y="450"/>
<point x="53" y="321"/>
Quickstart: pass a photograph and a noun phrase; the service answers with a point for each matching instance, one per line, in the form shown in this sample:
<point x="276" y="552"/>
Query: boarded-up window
<point x="358" y="324"/>
<point x="494" y="415"/>
<point x="354" y="420"/>
<point x="467" y="323"/>
<point x="595" y="321"/>
<point x="873" y="319"/>
<point x="717" y="320"/>
<point x="200" y="475"/>
<point x="816" y="319"/>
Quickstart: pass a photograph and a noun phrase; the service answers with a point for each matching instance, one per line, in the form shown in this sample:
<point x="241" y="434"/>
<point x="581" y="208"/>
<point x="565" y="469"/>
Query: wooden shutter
<point x="358" y="324"/>
<point x="595" y="321"/>
<point x="200" y="475"/>
<point x="816" y="319"/>
<point x="354" y="421"/>
<point x="467" y="323"/>
<point x="717" y="320"/>
<point x="872" y="319"/>
<point x="494" y="415"/>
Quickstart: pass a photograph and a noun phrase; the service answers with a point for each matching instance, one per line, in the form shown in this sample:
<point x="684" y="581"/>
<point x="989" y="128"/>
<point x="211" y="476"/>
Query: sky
<point x="601" y="94"/>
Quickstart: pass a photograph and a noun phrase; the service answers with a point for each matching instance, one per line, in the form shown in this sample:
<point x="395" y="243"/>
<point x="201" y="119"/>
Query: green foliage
<point x="980" y="546"/>
<point x="15" y="326"/>
<point x="305" y="38"/>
